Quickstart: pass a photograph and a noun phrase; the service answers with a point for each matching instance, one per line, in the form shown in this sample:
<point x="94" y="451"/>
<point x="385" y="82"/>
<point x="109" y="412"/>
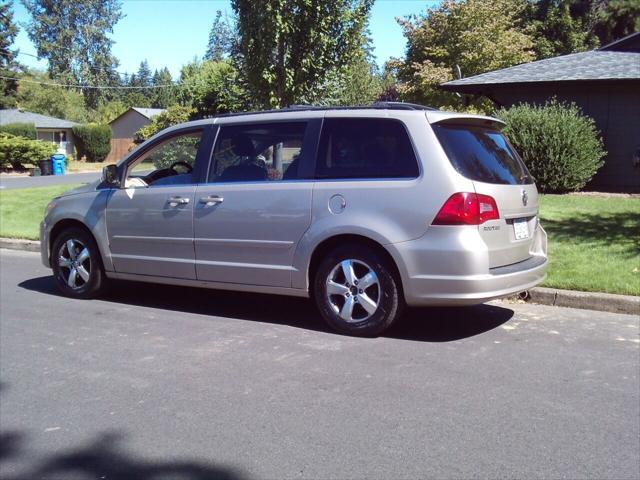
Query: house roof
<point x="40" y="121"/>
<point x="148" y="112"/>
<point x="619" y="60"/>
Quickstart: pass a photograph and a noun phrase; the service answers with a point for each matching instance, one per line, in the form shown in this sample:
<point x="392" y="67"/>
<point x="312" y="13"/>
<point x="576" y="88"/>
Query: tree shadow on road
<point x="101" y="458"/>
<point x="418" y="324"/>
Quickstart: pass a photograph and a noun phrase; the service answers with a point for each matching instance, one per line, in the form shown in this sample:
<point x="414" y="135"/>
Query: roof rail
<point x="303" y="107"/>
<point x="402" y="106"/>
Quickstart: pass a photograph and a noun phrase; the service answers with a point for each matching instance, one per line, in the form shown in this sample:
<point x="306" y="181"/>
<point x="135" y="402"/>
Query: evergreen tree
<point x="143" y="76"/>
<point x="560" y="27"/>
<point x="221" y="39"/>
<point x="8" y="32"/>
<point x="615" y="19"/>
<point x="72" y="35"/>
<point x="166" y="96"/>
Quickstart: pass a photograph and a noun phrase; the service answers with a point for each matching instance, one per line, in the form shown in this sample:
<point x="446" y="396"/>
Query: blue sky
<point x="172" y="32"/>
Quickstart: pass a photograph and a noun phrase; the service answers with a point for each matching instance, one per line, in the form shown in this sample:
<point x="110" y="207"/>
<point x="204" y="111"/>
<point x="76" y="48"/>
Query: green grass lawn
<point x="22" y="210"/>
<point x="594" y="242"/>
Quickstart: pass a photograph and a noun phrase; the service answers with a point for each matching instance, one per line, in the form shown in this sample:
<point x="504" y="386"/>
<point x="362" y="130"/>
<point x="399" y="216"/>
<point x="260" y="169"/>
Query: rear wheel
<point x="356" y="291"/>
<point x="76" y="263"/>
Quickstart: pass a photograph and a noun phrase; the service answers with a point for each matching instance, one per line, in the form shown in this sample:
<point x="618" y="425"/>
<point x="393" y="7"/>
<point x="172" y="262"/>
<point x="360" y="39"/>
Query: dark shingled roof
<point x="594" y="65"/>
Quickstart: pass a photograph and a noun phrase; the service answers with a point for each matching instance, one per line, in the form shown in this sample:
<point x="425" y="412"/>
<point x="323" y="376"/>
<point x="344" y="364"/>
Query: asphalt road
<point x="160" y="382"/>
<point x="8" y="182"/>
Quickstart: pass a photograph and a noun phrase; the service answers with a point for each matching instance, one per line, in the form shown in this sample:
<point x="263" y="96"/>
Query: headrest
<point x="243" y="146"/>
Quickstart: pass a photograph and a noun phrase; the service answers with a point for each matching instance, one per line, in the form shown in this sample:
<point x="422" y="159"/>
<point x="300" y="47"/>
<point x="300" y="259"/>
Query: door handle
<point x="175" y="201"/>
<point x="211" y="200"/>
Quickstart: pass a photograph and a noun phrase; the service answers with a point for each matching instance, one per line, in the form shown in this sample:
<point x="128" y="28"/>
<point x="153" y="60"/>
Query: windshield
<point x="482" y="154"/>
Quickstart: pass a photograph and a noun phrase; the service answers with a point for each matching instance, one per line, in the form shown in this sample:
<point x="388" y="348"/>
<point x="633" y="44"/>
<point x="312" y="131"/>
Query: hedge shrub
<point x="93" y="141"/>
<point x="20" y="151"/>
<point x="561" y="147"/>
<point x="25" y="130"/>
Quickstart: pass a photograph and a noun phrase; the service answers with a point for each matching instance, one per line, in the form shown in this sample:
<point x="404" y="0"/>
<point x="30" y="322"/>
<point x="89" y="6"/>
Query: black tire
<point x="389" y="298"/>
<point x="95" y="281"/>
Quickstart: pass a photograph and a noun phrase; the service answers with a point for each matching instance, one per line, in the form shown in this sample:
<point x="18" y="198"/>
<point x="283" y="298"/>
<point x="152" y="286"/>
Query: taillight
<point x="465" y="208"/>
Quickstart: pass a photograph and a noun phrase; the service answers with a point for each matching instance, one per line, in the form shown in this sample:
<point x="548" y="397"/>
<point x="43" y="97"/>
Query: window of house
<point x="260" y="152"/>
<point x="365" y="148"/>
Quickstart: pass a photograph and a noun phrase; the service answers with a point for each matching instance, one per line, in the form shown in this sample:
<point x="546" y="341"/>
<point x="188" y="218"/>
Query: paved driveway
<point x="8" y="182"/>
<point x="162" y="382"/>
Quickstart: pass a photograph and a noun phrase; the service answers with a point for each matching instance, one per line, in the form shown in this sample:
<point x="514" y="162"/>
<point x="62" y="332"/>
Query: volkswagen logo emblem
<point x="525" y="198"/>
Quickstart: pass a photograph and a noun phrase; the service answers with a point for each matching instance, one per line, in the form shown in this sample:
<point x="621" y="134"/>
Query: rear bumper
<point x="444" y="276"/>
<point x="474" y="289"/>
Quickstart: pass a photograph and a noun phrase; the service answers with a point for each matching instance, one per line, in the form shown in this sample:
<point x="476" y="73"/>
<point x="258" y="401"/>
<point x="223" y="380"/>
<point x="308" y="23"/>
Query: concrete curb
<point x="603" y="302"/>
<point x="19" y="244"/>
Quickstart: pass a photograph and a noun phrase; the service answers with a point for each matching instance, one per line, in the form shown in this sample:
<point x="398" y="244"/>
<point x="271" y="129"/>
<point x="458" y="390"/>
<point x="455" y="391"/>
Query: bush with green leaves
<point x="559" y="144"/>
<point x="93" y="141"/>
<point x="25" y="130"/>
<point x="171" y="116"/>
<point x="20" y="152"/>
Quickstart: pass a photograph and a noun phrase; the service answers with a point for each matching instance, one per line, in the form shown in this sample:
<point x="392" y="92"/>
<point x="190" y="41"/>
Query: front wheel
<point x="76" y="263"/>
<point x="357" y="292"/>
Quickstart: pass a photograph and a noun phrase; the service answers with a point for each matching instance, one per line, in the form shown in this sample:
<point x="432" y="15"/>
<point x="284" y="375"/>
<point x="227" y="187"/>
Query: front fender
<point x="87" y="209"/>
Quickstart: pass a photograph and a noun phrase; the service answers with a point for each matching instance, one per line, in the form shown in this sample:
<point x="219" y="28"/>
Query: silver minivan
<point x="365" y="210"/>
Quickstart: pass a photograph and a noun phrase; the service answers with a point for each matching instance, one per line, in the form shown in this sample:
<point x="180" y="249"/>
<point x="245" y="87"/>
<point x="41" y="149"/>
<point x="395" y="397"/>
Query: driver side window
<point x="170" y="162"/>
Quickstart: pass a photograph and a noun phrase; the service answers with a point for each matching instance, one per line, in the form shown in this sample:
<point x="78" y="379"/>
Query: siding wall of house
<point x="615" y="108"/>
<point x="123" y="130"/>
<point x="48" y="135"/>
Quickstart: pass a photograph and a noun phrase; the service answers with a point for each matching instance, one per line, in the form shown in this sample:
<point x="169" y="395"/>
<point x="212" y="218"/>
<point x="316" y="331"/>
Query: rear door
<point x="483" y="154"/>
<point x="256" y="204"/>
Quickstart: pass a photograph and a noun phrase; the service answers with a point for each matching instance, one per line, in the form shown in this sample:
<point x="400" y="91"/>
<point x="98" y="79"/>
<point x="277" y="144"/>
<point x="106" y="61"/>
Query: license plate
<point x="521" y="228"/>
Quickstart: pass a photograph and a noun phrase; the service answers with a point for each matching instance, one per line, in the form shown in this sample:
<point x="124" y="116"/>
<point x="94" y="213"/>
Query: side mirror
<point x="111" y="176"/>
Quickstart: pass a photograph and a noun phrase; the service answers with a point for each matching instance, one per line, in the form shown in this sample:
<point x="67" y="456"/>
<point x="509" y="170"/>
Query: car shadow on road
<point x="418" y="324"/>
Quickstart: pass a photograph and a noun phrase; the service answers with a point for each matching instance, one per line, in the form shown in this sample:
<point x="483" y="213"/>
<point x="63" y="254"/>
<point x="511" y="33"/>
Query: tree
<point x="292" y="50"/>
<point x="221" y="39"/>
<point x="171" y="116"/>
<point x="143" y="77"/>
<point x="109" y="111"/>
<point x="8" y="32"/>
<point x="360" y="82"/>
<point x="560" y="27"/>
<point x="211" y="88"/>
<point x="474" y="36"/>
<point x="616" y="19"/>
<point x="166" y="95"/>
<point x="35" y="96"/>
<point x="72" y="35"/>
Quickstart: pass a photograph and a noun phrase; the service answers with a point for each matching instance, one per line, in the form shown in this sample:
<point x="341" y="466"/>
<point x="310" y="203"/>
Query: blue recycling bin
<point x="58" y="163"/>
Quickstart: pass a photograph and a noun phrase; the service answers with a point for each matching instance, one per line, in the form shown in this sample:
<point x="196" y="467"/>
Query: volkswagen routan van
<point x="365" y="210"/>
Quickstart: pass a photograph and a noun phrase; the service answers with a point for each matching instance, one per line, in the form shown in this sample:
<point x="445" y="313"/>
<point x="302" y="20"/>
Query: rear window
<point x="482" y="154"/>
<point x="365" y="148"/>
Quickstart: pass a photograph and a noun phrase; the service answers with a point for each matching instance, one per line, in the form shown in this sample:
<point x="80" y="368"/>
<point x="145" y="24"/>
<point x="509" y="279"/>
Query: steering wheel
<point x="180" y="164"/>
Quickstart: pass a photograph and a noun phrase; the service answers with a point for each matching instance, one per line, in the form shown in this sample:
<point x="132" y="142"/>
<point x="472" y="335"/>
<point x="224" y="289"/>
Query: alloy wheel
<point x="353" y="290"/>
<point x="74" y="261"/>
